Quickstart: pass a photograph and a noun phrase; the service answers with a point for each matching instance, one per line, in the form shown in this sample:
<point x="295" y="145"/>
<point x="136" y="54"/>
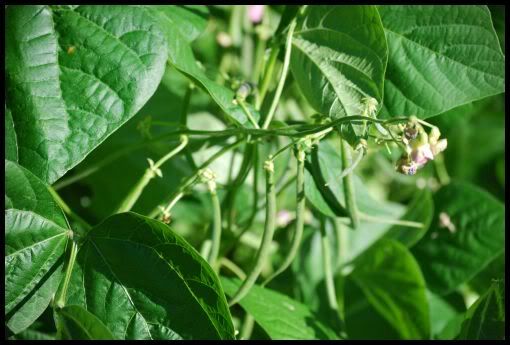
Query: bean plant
<point x="254" y="172"/>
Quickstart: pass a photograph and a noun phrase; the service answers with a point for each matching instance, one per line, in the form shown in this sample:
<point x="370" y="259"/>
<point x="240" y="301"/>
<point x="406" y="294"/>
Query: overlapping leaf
<point x="338" y="57"/>
<point x="280" y="316"/>
<point x="76" y="323"/>
<point x="440" y="57"/>
<point x="143" y="281"/>
<point x="466" y="234"/>
<point x="392" y="291"/>
<point x="36" y="234"/>
<point x="74" y="75"/>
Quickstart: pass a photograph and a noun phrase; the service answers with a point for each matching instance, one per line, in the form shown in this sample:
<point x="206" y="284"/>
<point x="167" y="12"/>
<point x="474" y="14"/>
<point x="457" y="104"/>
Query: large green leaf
<point x="486" y="318"/>
<point x="143" y="281"/>
<point x="338" y="57"/>
<point x="440" y="57"/>
<point x="36" y="234"/>
<point x="190" y="20"/>
<point x="280" y="316"/>
<point x="74" y="75"/>
<point x="11" y="146"/>
<point x="390" y="280"/>
<point x="181" y="57"/>
<point x="76" y="323"/>
<point x="476" y="236"/>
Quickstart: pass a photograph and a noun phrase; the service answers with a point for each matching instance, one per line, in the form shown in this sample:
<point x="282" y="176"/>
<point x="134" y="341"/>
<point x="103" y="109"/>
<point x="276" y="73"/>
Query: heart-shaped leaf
<point x="440" y="57"/>
<point x="36" y="233"/>
<point x="143" y="281"/>
<point x="76" y="323"/>
<point x="280" y="316"/>
<point x="466" y="234"/>
<point x="338" y="57"/>
<point x="387" y="286"/>
<point x="74" y="75"/>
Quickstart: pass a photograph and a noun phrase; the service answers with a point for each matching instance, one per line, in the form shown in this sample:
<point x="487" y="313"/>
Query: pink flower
<point x="255" y="13"/>
<point x="422" y="154"/>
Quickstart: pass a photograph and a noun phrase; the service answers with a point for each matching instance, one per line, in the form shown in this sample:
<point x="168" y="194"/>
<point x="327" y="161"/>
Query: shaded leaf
<point x="36" y="234"/>
<point x="468" y="238"/>
<point x="143" y="281"/>
<point x="486" y="318"/>
<point x="76" y="323"/>
<point x="74" y="75"/>
<point x="338" y="57"/>
<point x="440" y="57"/>
<point x="391" y="282"/>
<point x="280" y="316"/>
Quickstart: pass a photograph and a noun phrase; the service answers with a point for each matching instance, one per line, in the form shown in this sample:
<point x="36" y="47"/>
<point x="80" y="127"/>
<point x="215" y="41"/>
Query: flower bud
<point x="255" y="13"/>
<point x="439" y="147"/>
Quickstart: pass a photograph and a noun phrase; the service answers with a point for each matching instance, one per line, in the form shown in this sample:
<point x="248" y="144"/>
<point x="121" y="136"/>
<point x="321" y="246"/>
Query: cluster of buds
<point x="208" y="176"/>
<point x="420" y="146"/>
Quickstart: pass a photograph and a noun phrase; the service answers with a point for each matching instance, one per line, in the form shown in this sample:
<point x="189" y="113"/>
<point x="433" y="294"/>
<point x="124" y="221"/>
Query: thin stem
<point x="149" y="174"/>
<point x="183" y="120"/>
<point x="216" y="229"/>
<point x="267" y="237"/>
<point x="442" y="173"/>
<point x="350" y="169"/>
<point x="233" y="268"/>
<point x="349" y="192"/>
<point x="188" y="181"/>
<point x="268" y="74"/>
<point x="259" y="58"/>
<point x="61" y="300"/>
<point x="248" y="114"/>
<point x="328" y="270"/>
<point x="300" y="215"/>
<point x="68" y="210"/>
<point x="283" y="76"/>
<point x="374" y="219"/>
<point x="247" y="328"/>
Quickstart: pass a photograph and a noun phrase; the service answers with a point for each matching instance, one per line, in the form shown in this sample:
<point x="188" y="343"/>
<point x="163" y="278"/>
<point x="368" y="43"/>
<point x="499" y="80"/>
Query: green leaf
<point x="190" y="20"/>
<point x="280" y="316"/>
<point x="181" y="57"/>
<point x="74" y="76"/>
<point x="451" y="256"/>
<point x="445" y="320"/>
<point x="35" y="239"/>
<point x="76" y="323"/>
<point x="11" y="145"/>
<point x="391" y="282"/>
<point x="440" y="57"/>
<point x="486" y="318"/>
<point x="338" y="57"/>
<point x="420" y="209"/>
<point x="143" y="281"/>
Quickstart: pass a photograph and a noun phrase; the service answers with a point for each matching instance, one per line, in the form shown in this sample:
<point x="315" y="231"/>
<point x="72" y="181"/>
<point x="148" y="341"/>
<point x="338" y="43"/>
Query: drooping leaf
<point x="181" y="57"/>
<point x="386" y="285"/>
<point x="36" y="234"/>
<point x="421" y="210"/>
<point x="440" y="57"/>
<point x="279" y="315"/>
<point x="143" y="281"/>
<point x="76" y="323"/>
<point x="339" y="57"/>
<point x="466" y="234"/>
<point x="190" y="20"/>
<point x="486" y="318"/>
<point x="74" y="75"/>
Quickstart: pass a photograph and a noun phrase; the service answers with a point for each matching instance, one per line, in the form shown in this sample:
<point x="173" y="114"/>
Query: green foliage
<point x="466" y="234"/>
<point x="400" y="236"/>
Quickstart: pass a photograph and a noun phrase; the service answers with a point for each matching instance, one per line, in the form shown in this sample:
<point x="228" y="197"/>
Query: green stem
<point x="267" y="237"/>
<point x="184" y="120"/>
<point x="300" y="215"/>
<point x="187" y="182"/>
<point x="149" y="174"/>
<point x="61" y="300"/>
<point x="259" y="58"/>
<point x="68" y="210"/>
<point x="268" y="74"/>
<point x="350" y="169"/>
<point x="247" y="329"/>
<point x="216" y="233"/>
<point x="328" y="270"/>
<point x="442" y="173"/>
<point x="373" y="219"/>
<point x="283" y="76"/>
<point x="349" y="192"/>
<point x="248" y="114"/>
